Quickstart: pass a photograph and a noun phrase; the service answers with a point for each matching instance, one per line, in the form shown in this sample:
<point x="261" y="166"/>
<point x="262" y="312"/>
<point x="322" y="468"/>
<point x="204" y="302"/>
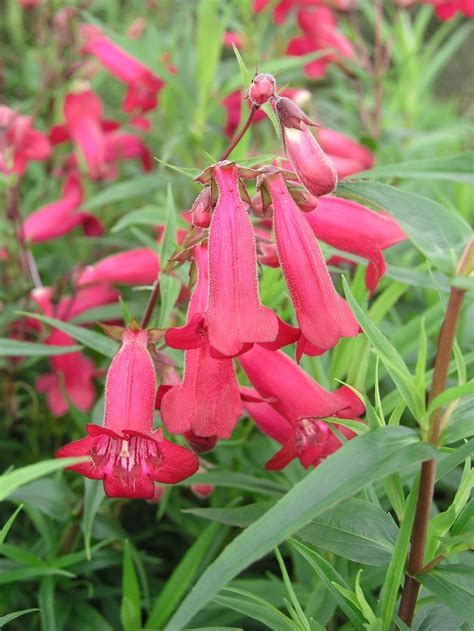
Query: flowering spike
<point x="235" y="316"/>
<point x="323" y="315"/>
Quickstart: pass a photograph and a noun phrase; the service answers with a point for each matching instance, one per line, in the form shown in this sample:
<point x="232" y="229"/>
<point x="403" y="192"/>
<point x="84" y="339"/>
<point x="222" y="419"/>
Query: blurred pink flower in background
<point x="61" y="216"/>
<point x="320" y="32"/>
<point x="19" y="142"/>
<point x="143" y="86"/>
<point x="444" y="9"/>
<point x="138" y="266"/>
<point x="100" y="143"/>
<point x="72" y="374"/>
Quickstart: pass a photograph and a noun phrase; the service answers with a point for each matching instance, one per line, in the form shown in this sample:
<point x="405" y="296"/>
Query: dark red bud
<point x="290" y="115"/>
<point x="262" y="89"/>
<point x="200" y="444"/>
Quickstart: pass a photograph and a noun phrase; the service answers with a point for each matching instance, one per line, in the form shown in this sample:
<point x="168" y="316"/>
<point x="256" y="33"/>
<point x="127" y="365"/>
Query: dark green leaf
<point x="454" y="586"/>
<point x="361" y="461"/>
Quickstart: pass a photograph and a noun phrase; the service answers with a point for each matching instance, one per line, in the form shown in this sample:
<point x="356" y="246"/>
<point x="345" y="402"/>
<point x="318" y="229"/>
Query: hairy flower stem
<point x="155" y="292"/>
<point x="428" y="469"/>
<point x="238" y="137"/>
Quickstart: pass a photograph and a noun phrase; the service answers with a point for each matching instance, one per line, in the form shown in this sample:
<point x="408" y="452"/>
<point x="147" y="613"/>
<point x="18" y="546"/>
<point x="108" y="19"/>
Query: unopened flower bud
<point x="290" y="115"/>
<point x="262" y="88"/>
<point x="201" y="209"/>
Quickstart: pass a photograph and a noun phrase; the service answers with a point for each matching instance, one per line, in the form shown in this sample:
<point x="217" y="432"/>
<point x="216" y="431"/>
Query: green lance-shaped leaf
<point x="358" y="463"/>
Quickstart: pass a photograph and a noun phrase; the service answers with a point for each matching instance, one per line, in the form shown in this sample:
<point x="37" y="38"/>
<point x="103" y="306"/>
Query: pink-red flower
<point x="320" y="32"/>
<point x="142" y="84"/>
<point x="323" y="316"/>
<point x="445" y="9"/>
<point x="125" y="452"/>
<point x="351" y="227"/>
<point x="72" y="374"/>
<point x="207" y="403"/>
<point x="19" y="142"/>
<point x="100" y="143"/>
<point x="133" y="267"/>
<point x="282" y="8"/>
<point x="235" y="317"/>
<point x="293" y="406"/>
<point x="61" y="216"/>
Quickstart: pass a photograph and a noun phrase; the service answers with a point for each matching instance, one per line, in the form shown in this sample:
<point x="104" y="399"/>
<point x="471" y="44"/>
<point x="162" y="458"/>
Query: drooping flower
<point x="294" y="406"/>
<point x="142" y="84"/>
<point x="320" y="32"/>
<point x="207" y="403"/>
<point x="19" y="142"/>
<point x="291" y="392"/>
<point x="133" y="267"/>
<point x="351" y="227"/>
<point x="71" y="378"/>
<point x="323" y="316"/>
<point x="235" y="318"/>
<point x="100" y="142"/>
<point x="313" y="168"/>
<point x="125" y="452"/>
<point x="61" y="216"/>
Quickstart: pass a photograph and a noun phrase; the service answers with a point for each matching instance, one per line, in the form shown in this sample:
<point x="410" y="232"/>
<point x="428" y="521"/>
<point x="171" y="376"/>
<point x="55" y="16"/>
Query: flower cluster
<point x="274" y="215"/>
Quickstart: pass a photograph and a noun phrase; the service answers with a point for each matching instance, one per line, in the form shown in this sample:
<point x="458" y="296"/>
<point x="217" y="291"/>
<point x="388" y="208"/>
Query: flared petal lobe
<point x="235" y="316"/>
<point x="130" y="464"/>
<point x="323" y="316"/>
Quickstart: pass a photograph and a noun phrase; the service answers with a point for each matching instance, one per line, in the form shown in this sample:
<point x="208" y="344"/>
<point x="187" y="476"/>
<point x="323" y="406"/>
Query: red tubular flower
<point x="235" y="317"/>
<point x="350" y="227"/>
<point x="60" y="217"/>
<point x="207" y="403"/>
<point x="347" y="155"/>
<point x="125" y="452"/>
<point x="143" y="85"/>
<point x="72" y="374"/>
<point x="323" y="316"/>
<point x="294" y="405"/>
<point x="320" y="31"/>
<point x="19" y="142"/>
<point x="291" y="392"/>
<point x="134" y="267"/>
